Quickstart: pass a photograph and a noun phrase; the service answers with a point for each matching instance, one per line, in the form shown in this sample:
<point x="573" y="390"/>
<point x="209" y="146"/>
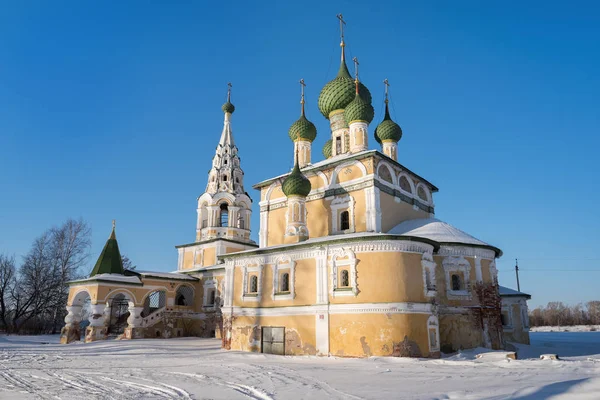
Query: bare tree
<point x="7" y="281"/>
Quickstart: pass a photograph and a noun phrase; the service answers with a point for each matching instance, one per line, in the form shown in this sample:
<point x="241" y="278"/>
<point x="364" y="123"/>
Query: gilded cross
<point x="302" y="85"/>
<point x="355" y="67"/>
<point x="342" y="23"/>
<point x="387" y="85"/>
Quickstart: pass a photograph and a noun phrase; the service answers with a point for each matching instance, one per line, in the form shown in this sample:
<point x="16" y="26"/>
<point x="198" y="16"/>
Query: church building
<point x="351" y="259"/>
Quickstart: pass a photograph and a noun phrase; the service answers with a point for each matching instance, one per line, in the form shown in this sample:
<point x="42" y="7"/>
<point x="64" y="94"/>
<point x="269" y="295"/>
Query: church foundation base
<point x="94" y="333"/>
<point x="70" y="334"/>
<point x="134" y="333"/>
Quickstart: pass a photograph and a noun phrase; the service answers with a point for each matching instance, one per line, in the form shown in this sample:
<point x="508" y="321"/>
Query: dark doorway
<point x="119" y="312"/>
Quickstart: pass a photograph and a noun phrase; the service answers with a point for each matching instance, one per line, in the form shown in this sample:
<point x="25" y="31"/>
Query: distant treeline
<point x="557" y="313"/>
<point x="33" y="292"/>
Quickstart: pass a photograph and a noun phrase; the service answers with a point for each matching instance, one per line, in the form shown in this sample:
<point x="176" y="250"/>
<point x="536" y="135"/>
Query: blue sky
<point x="112" y="110"/>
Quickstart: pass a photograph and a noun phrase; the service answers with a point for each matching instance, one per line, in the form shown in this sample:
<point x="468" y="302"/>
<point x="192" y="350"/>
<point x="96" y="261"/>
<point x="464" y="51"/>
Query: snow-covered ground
<point x="574" y="328"/>
<point x="190" y="368"/>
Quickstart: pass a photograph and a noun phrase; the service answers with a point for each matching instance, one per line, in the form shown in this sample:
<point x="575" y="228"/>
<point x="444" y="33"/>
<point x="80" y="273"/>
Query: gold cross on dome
<point x="387" y="85"/>
<point x="342" y="23"/>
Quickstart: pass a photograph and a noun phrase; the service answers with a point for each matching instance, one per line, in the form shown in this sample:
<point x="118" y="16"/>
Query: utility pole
<point x="517" y="273"/>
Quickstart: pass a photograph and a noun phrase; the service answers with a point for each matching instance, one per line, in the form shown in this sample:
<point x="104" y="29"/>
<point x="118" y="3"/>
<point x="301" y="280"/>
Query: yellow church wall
<point x="459" y="331"/>
<point x="348" y="173"/>
<point x="386" y="277"/>
<point x="210" y="256"/>
<point x="299" y="333"/>
<point x="365" y="335"/>
<point x="276" y="224"/>
<point x="318" y="218"/>
<point x="188" y="259"/>
<point x="394" y="213"/>
<point x="485" y="271"/>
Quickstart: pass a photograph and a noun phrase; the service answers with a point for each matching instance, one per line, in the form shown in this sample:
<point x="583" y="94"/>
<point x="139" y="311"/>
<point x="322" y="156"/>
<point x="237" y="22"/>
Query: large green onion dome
<point x="388" y="130"/>
<point x="359" y="110"/>
<point x="339" y="92"/>
<point x="327" y="149"/>
<point x="303" y="129"/>
<point x="296" y="184"/>
<point x="228" y="107"/>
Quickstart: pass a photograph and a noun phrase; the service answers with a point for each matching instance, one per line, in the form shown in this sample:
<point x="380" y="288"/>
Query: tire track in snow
<point x="248" y="391"/>
<point x="15" y="380"/>
<point x="167" y="392"/>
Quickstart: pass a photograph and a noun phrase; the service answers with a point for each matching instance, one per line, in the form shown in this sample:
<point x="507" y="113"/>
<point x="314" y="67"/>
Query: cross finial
<point x="114" y="222"/>
<point x="342" y="23"/>
<point x="302" y="85"/>
<point x="355" y="68"/>
<point x="387" y="85"/>
<point x="229" y="92"/>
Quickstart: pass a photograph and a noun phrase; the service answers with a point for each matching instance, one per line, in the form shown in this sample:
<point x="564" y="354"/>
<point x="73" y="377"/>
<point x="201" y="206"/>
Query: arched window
<point x="338" y="145"/>
<point x="285" y="282"/>
<point x="253" y="284"/>
<point x="240" y="223"/>
<point x="422" y="194"/>
<point x="344" y="220"/>
<point x="184" y="296"/>
<point x="404" y="184"/>
<point x="211" y="297"/>
<point x="224" y="178"/>
<point x="154" y="301"/>
<point x="224" y="218"/>
<point x="225" y="162"/>
<point x="384" y="173"/>
<point x="344" y="281"/>
<point x="455" y="282"/>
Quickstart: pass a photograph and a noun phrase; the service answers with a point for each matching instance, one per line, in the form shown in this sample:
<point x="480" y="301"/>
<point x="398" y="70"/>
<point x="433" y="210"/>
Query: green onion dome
<point x="327" y="148"/>
<point x="228" y="107"/>
<point x="359" y="110"/>
<point x="296" y="184"/>
<point x="303" y="129"/>
<point x="388" y="130"/>
<point x="339" y="92"/>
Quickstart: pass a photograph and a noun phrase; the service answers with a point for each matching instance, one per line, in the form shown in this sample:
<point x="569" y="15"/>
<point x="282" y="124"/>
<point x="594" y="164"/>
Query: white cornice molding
<point x="466" y="251"/>
<point x="356" y="308"/>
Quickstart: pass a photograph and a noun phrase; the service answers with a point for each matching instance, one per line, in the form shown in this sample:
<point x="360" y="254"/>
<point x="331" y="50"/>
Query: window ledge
<point x="344" y="291"/>
<point x="283" y="296"/>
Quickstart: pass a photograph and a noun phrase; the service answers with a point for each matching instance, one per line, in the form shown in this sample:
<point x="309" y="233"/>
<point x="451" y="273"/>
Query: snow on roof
<point x="434" y="229"/>
<point x="504" y="291"/>
<point x="113" y="278"/>
<point x="166" y="275"/>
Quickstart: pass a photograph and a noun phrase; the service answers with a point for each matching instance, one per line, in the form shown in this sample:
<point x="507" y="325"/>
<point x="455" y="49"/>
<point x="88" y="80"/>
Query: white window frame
<point x="509" y="326"/>
<point x="433" y="322"/>
<point x="198" y="252"/>
<point x="247" y="296"/>
<point x="457" y="264"/>
<point x="283" y="264"/>
<point x="349" y="261"/>
<point x="208" y="286"/>
<point x="429" y="265"/>
<point x="342" y="203"/>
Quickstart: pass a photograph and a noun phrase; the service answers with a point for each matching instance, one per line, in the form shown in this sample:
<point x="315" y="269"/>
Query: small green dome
<point x="388" y="129"/>
<point x="327" y="149"/>
<point x="359" y="110"/>
<point x="303" y="129"/>
<point x="339" y="92"/>
<point x="228" y="108"/>
<point x="296" y="184"/>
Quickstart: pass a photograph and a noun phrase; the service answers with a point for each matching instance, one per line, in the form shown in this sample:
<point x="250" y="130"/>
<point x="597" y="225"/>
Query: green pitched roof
<point x="110" y="261"/>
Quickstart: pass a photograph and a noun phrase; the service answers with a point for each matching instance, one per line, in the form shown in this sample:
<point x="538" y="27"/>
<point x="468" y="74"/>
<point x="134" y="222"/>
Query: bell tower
<point x="224" y="210"/>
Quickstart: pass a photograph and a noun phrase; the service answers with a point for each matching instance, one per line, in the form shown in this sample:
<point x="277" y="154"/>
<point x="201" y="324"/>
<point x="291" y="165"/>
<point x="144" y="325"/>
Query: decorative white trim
<point x="283" y="263"/>
<point x="252" y="297"/>
<point x="180" y="254"/>
<point x="478" y="273"/>
<point x="342" y="203"/>
<point x="429" y="268"/>
<point x="372" y="201"/>
<point x="426" y="201"/>
<point x="357" y="308"/>
<point x="348" y="261"/>
<point x="410" y="182"/>
<point x="209" y="285"/>
<point x="228" y="284"/>
<point x="264" y="229"/>
<point x="466" y="251"/>
<point x="390" y="169"/>
<point x="457" y="264"/>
